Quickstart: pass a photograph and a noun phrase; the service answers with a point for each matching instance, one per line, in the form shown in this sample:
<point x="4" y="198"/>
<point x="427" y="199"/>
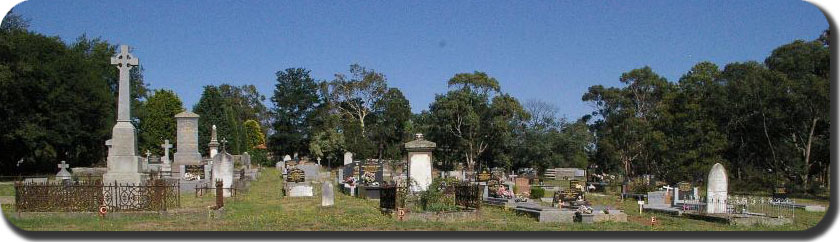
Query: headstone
<point x="186" y="152"/>
<point x="223" y="170"/>
<point x="123" y="162"/>
<point x="166" y="164"/>
<point x="484" y="176"/>
<point x="311" y="171"/>
<point x="420" y="162"/>
<point x="214" y="142"/>
<point x="279" y="165"/>
<point x="327" y="194"/>
<point x="371" y="173"/>
<point x="287" y="158"/>
<point x="246" y="160"/>
<point x="657" y="199"/>
<point x="348" y="158"/>
<point x="717" y="190"/>
<point x="63" y="174"/>
<point x="522" y="185"/>
<point x="296" y="175"/>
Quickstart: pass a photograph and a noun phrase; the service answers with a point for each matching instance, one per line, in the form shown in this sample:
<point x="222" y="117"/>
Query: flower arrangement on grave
<point x="350" y="181"/>
<point x="369" y="179"/>
<point x="191" y="177"/>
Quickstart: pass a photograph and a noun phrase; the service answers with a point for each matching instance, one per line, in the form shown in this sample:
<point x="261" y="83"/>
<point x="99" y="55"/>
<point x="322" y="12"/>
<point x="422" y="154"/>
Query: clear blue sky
<point x="544" y="50"/>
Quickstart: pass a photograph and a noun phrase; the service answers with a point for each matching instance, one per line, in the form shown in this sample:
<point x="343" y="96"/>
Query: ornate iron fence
<point x="468" y="195"/>
<point x="87" y="196"/>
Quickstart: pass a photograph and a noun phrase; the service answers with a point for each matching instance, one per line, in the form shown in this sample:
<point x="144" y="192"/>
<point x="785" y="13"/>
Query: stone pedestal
<point x="187" y="141"/>
<point x="420" y="162"/>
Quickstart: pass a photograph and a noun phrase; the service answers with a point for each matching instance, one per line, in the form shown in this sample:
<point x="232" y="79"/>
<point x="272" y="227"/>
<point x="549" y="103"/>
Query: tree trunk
<point x="807" y="170"/>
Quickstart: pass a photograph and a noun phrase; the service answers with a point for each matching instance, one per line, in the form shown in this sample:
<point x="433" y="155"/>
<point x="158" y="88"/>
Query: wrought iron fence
<point x="468" y="195"/>
<point x="742" y="205"/>
<point x="87" y="196"/>
<point x="388" y="197"/>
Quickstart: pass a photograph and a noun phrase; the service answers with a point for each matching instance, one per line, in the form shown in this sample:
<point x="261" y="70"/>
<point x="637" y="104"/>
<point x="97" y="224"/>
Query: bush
<point x="435" y="200"/>
<point x="537" y="192"/>
<point x="638" y="185"/>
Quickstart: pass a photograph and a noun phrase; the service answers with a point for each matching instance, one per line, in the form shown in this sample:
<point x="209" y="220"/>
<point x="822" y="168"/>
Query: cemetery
<point x="96" y="148"/>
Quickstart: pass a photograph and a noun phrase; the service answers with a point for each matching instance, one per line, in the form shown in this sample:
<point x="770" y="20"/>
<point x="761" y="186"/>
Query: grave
<point x="186" y="153"/>
<point x="685" y="192"/>
<point x="420" y="162"/>
<point x="213" y="146"/>
<point x="165" y="162"/>
<point x="223" y="171"/>
<point x="124" y="166"/>
<point x="327" y="194"/>
<point x="63" y="174"/>
<point x="348" y="158"/>
<point x="296" y="184"/>
<point x="246" y="160"/>
<point x="717" y="190"/>
<point x="371" y="179"/>
<point x="311" y="171"/>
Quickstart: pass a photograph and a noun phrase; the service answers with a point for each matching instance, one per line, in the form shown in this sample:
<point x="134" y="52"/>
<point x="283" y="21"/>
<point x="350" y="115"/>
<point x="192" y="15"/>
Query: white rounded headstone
<point x="717" y="189"/>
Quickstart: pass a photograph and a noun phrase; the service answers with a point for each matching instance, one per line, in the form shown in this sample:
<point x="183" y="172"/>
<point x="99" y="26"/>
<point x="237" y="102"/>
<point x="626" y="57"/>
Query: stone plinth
<point x="187" y="141"/>
<point x="420" y="162"/>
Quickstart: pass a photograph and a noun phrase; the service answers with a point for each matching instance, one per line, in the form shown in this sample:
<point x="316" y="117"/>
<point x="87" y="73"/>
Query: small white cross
<point x="63" y="165"/>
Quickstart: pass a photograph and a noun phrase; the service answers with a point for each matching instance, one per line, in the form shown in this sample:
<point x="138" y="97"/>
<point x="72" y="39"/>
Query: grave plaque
<point x="484" y="176"/>
<point x="686" y="191"/>
<point x="296" y="175"/>
<point x="194" y="172"/>
<point x="371" y="172"/>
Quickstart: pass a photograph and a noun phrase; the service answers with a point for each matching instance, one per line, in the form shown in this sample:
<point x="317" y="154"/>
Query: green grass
<point x="7" y="189"/>
<point x="264" y="209"/>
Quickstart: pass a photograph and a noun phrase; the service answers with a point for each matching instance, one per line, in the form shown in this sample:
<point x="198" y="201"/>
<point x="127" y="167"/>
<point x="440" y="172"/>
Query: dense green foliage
<point x="159" y="121"/>
<point x="57" y="100"/>
<point x="295" y="101"/>
<point x="768" y="123"/>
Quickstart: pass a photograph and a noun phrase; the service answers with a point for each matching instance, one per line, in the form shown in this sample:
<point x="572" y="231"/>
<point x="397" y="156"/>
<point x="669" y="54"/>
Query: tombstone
<point x="165" y="163"/>
<point x="246" y="160"/>
<point x="348" y="158"/>
<point x="186" y="152"/>
<point x="685" y="192"/>
<point x="657" y="199"/>
<point x="214" y="142"/>
<point x="223" y="170"/>
<point x="123" y="162"/>
<point x="63" y="174"/>
<point x="420" y="162"/>
<point x="327" y="194"/>
<point x="371" y="173"/>
<point x="287" y="158"/>
<point x="522" y="185"/>
<point x="296" y="184"/>
<point x="279" y="166"/>
<point x="311" y="171"/>
<point x="717" y="189"/>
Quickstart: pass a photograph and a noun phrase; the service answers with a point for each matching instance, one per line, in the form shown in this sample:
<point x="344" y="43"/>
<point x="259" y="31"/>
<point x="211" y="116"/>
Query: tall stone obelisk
<point x="124" y="166"/>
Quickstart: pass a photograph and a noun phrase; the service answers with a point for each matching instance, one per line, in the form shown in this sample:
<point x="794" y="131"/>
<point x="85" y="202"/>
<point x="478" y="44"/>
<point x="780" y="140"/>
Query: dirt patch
<point x="7" y="200"/>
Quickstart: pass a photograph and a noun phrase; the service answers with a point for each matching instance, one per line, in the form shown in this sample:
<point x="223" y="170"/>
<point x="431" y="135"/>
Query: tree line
<point x="767" y="122"/>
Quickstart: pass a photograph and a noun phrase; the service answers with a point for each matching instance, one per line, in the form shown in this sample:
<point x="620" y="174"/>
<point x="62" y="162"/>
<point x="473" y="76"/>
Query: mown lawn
<point x="264" y="209"/>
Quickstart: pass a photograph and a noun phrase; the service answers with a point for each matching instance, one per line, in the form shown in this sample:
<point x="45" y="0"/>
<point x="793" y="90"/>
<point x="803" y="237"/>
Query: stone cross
<point x="148" y="154"/>
<point x="224" y="143"/>
<point x="63" y="165"/>
<point x="124" y="62"/>
<point x="166" y="146"/>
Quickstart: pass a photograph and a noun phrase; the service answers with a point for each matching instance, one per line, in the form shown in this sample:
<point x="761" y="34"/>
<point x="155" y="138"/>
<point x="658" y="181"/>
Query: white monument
<point x="420" y="162"/>
<point x="166" y="164"/>
<point x="348" y="158"/>
<point x="327" y="194"/>
<point x="223" y="170"/>
<point x="717" y="189"/>
<point x="186" y="152"/>
<point x="214" y="142"/>
<point x="63" y="174"/>
<point x="124" y="166"/>
<point x="287" y="158"/>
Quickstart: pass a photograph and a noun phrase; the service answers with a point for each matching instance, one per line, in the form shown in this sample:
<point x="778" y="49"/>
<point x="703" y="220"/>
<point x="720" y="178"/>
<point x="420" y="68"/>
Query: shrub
<point x="638" y="185"/>
<point x="537" y="192"/>
<point x="435" y="200"/>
